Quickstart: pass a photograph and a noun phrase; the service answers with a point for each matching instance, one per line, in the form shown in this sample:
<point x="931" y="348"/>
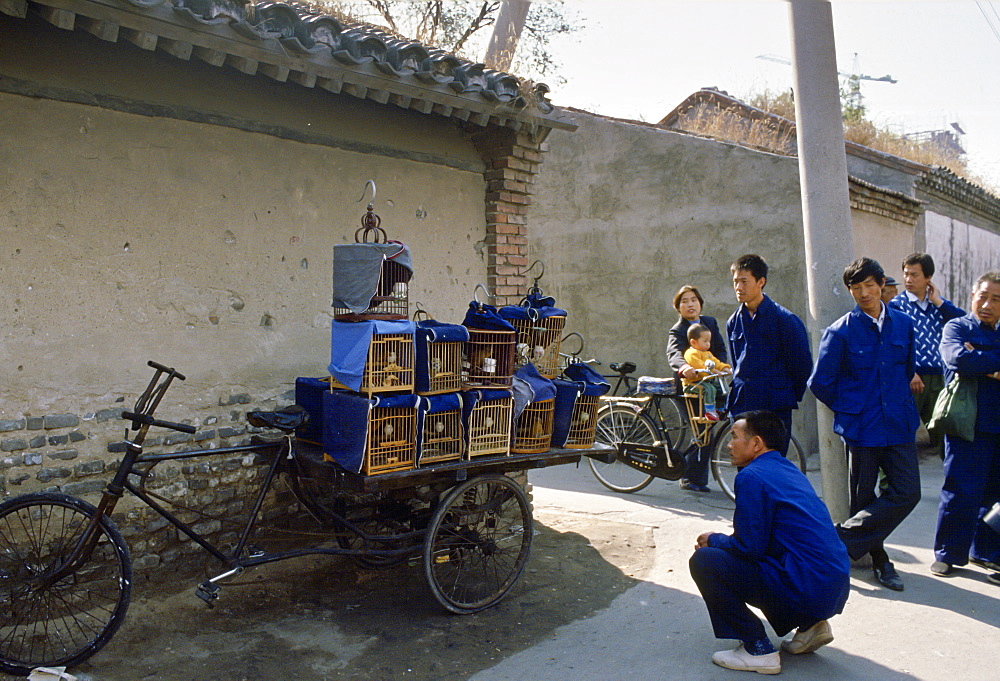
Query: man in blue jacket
<point x="970" y="346"/>
<point x="863" y="371"/>
<point x="769" y="347"/>
<point x="928" y="311"/>
<point x="784" y="556"/>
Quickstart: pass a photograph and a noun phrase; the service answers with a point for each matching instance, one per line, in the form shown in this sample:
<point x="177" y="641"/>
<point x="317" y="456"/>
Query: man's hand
<point x="916" y="384"/>
<point x="932" y="294"/>
<point x="702" y="540"/>
<point x="688" y="372"/>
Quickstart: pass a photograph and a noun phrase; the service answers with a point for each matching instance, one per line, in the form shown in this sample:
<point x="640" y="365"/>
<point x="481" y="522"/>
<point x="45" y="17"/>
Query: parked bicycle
<point x="66" y="572"/>
<point x="654" y="432"/>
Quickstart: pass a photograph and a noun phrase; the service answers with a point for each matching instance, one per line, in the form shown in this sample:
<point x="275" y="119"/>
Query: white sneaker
<point x="740" y="660"/>
<point x="809" y="640"/>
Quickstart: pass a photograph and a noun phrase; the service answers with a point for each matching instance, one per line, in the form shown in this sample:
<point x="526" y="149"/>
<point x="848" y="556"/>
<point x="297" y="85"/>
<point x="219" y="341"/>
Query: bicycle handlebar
<point x="167" y="370"/>
<point x="142" y="419"/>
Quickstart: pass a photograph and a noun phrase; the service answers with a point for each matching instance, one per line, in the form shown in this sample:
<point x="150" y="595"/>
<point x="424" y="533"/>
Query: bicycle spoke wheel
<point x="621" y="423"/>
<point x="477" y="543"/>
<point x="723" y="469"/>
<point x="62" y="623"/>
<point x="674" y="422"/>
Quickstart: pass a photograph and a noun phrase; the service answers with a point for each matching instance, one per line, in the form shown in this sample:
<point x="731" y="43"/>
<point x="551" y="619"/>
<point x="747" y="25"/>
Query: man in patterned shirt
<point x="922" y="303"/>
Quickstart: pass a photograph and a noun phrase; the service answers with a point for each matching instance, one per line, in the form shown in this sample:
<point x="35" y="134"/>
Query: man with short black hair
<point x="783" y="556"/>
<point x="769" y="348"/>
<point x="970" y="346"/>
<point x="928" y="311"/>
<point x="862" y="374"/>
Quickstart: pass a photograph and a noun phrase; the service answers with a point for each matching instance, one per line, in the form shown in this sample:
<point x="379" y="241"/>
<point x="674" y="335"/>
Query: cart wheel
<point x="385" y="518"/>
<point x="60" y="624"/>
<point x="477" y="543"/>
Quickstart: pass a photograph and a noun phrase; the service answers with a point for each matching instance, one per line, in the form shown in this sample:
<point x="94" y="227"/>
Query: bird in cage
<point x="439" y="427"/>
<point x="390" y="362"/>
<point x="583" y="417"/>
<point x="522" y="350"/>
<point x="387" y="432"/>
<point x="538" y="428"/>
<point x="539" y="352"/>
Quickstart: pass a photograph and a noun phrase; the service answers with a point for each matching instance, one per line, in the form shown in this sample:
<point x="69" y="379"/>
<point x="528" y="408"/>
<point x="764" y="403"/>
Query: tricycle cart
<point x="66" y="571"/>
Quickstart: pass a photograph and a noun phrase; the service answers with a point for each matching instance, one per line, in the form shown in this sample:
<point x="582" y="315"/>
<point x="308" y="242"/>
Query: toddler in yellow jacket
<point x="699" y="356"/>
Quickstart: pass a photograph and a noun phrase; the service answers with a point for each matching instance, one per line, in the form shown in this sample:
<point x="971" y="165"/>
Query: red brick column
<point x="512" y="161"/>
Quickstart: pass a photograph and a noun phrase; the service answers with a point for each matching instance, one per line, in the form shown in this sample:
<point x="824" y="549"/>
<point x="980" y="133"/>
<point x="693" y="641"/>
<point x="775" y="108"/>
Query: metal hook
<point x="534" y="285"/>
<point x="574" y="333"/>
<point x="475" y="294"/>
<point x="371" y="204"/>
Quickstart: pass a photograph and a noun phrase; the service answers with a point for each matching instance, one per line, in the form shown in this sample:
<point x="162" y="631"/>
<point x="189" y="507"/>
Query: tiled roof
<point x="871" y="198"/>
<point x="944" y="183"/>
<point x="292" y="43"/>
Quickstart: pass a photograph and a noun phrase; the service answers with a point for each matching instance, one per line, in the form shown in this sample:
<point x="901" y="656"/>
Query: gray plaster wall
<point x="625" y="214"/>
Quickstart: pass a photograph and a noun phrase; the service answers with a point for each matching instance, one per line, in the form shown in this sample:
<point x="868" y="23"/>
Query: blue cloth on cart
<point x="594" y="383"/>
<point x="430" y="331"/>
<point x="357" y="268"/>
<point x="349" y="343"/>
<point x="567" y="393"/>
<point x="534" y="306"/>
<point x="542" y="388"/>
<point x="345" y="424"/>
<point x="309" y="395"/>
<point x="482" y="316"/>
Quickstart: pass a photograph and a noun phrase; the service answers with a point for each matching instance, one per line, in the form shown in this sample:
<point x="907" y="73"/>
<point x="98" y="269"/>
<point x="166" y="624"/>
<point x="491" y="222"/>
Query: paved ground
<point x="937" y="629"/>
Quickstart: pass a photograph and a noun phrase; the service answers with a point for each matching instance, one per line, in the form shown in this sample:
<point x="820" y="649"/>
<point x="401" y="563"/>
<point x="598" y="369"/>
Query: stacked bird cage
<point x="439" y="349"/>
<point x="578" y="395"/>
<point x="486" y="416"/>
<point x="441" y="435"/>
<point x="539" y="325"/>
<point x="370" y="435"/>
<point x="533" y="429"/>
<point x="488" y="355"/>
<point x="372" y="356"/>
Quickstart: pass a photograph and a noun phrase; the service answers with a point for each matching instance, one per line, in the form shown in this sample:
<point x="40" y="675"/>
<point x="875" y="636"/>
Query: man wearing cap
<point x="970" y="346"/>
<point x="889" y="290"/>
<point x="922" y="303"/>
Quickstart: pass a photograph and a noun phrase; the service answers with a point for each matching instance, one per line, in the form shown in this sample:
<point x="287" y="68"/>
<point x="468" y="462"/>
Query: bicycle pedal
<point x="208" y="592"/>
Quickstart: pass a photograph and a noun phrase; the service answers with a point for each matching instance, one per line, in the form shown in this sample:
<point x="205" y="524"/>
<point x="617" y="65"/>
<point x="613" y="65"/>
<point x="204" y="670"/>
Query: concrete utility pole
<point x="506" y="34"/>
<point x="826" y="211"/>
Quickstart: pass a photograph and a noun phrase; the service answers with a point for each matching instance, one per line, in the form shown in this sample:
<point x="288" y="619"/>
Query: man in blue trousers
<point x="769" y="347"/>
<point x="970" y="346"/>
<point x="784" y="556"/>
<point x="863" y="371"/>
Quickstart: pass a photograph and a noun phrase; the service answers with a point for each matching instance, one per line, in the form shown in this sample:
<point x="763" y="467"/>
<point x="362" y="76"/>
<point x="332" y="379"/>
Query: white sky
<point x="638" y="59"/>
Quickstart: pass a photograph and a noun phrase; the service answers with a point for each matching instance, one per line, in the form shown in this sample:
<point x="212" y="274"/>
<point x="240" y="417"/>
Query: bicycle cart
<point x="66" y="571"/>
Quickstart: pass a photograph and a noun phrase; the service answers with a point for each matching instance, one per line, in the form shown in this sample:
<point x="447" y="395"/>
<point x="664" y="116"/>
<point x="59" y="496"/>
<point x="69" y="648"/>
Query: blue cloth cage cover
<point x="349" y="345"/>
<point x="346" y="429"/>
<point x="576" y="415"/>
<point x="437" y="368"/>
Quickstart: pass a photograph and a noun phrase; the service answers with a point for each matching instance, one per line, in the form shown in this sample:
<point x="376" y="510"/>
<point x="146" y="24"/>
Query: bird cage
<point x="701" y="426"/>
<point x="486" y="415"/>
<point x="439" y="349"/>
<point x="578" y="396"/>
<point x="441" y="436"/>
<point x="370" y="435"/>
<point x="372" y="356"/>
<point x="539" y="324"/>
<point x="488" y="359"/>
<point x="533" y="426"/>
<point x="488" y="355"/>
<point x="371" y="279"/>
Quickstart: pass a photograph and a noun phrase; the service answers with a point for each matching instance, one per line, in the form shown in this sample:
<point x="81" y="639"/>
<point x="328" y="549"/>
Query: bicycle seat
<point x="285" y="419"/>
<point x="622" y="367"/>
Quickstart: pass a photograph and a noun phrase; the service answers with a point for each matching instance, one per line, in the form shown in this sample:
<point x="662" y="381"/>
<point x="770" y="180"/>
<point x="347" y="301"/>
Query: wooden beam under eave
<point x="302" y="78"/>
<point x="176" y="48"/>
<point x="359" y="91"/>
<point x="59" y="18"/>
<point x="15" y="8"/>
<point x="443" y="110"/>
<point x="105" y="30"/>
<point x="422" y="105"/>
<point x="479" y="119"/>
<point x="330" y="84"/>
<point x="380" y="96"/>
<point x="210" y="56"/>
<point x="401" y="100"/>
<point x="279" y="73"/>
<point x="244" y="64"/>
<point x="461" y="114"/>
<point x="141" y="39"/>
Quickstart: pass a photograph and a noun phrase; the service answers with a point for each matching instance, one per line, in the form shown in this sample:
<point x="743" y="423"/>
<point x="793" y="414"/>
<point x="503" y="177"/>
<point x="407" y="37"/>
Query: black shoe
<point x="941" y="568"/>
<point x="987" y="564"/>
<point x="887" y="576"/>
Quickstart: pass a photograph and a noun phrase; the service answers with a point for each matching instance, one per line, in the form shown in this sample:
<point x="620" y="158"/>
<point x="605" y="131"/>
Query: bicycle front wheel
<point x="63" y="623"/>
<point x="725" y="472"/>
<point x="621" y="423"/>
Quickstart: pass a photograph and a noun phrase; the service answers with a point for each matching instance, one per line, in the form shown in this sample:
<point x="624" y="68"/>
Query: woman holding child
<point x="688" y="303"/>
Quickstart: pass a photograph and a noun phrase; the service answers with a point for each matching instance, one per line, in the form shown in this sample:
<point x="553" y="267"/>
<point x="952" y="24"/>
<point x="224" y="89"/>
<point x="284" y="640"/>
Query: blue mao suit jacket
<point x="864" y="377"/>
<point x="771" y="358"/>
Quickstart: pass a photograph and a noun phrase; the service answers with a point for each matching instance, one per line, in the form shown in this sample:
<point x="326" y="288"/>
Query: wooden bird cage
<point x="392" y="440"/>
<point x="583" y="422"/>
<point x="538" y="342"/>
<point x="439" y="352"/>
<point x="389" y="366"/>
<point x="488" y="425"/>
<point x="389" y="300"/>
<point x="533" y="434"/>
<point x="488" y="359"/>
<point x="442" y="437"/>
<point x="370" y="435"/>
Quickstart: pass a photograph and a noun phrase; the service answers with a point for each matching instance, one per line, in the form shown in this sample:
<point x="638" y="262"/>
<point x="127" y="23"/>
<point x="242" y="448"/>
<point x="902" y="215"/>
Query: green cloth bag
<point x="955" y="409"/>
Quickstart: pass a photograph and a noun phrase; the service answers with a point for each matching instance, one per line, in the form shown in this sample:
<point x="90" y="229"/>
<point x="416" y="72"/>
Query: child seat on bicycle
<point x="699" y="356"/>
